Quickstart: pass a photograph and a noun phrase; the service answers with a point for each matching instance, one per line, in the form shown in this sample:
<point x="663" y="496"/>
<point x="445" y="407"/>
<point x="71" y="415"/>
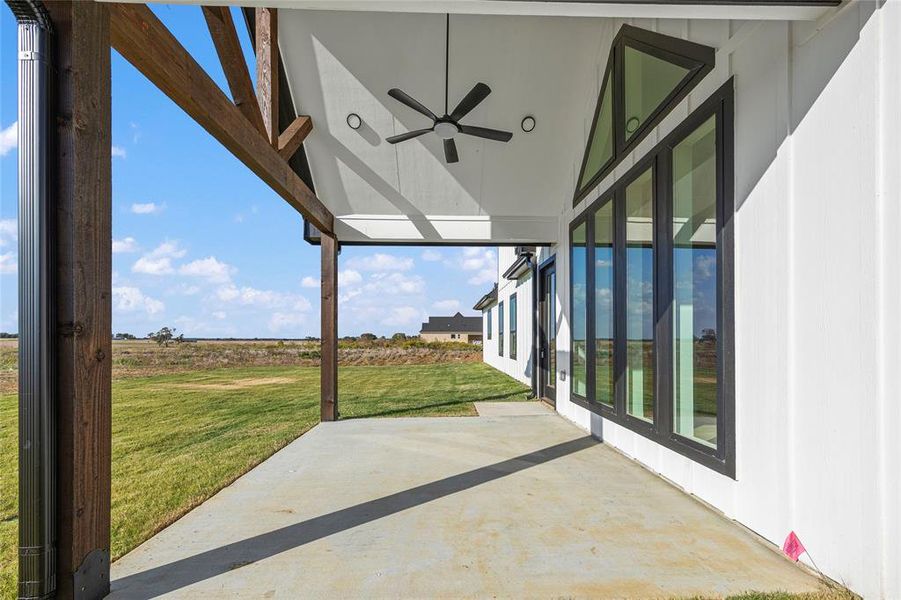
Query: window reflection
<point x="694" y="285"/>
<point x="640" y="297"/>
<point x="603" y="304"/>
<point x="579" y="307"/>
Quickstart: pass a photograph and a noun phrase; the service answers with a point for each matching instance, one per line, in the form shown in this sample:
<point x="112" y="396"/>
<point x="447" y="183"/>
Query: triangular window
<point x="647" y="75"/>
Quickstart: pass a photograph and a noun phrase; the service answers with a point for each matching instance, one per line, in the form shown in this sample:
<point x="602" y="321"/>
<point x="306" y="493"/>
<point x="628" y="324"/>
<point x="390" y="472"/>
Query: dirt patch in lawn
<point x="238" y="384"/>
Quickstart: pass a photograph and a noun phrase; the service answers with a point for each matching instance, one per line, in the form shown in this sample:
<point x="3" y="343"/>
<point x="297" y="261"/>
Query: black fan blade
<point x="478" y="93"/>
<point x="450" y="151"/>
<point x="407" y="136"/>
<point x="404" y="98"/>
<point x="489" y="134"/>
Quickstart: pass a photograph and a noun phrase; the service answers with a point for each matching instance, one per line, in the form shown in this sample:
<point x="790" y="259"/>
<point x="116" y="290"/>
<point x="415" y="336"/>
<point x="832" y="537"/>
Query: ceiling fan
<point x="448" y="126"/>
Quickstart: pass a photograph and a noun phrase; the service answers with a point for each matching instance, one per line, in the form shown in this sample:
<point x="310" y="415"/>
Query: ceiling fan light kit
<point x="354" y="121"/>
<point x="448" y="126"/>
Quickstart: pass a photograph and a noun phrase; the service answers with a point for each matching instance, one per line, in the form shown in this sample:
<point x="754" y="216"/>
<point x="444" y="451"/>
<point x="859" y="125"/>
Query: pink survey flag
<point x="793" y="547"/>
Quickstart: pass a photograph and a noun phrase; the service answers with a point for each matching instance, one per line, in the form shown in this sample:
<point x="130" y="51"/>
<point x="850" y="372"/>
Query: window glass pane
<point x="579" y="277"/>
<point x="640" y="297"/>
<point x="603" y="303"/>
<point x="513" y="326"/>
<point x="648" y="81"/>
<point x="552" y="326"/>
<point x="489" y="323"/>
<point x="694" y="285"/>
<point x="600" y="147"/>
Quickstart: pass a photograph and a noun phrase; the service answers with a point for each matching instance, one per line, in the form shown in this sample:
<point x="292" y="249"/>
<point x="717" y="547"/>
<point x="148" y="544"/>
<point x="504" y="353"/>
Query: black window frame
<point x="500" y="328"/>
<point x="722" y="459"/>
<point x="697" y="58"/>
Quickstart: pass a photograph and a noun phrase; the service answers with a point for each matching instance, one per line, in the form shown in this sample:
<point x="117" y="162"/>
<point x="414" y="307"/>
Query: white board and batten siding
<point x="817" y="287"/>
<point x="521" y="367"/>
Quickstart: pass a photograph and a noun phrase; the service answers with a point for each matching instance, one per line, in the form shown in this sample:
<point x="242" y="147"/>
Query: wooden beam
<point x="267" y="69"/>
<point x="139" y="36"/>
<point x="83" y="195"/>
<point x="228" y="47"/>
<point x="292" y="137"/>
<point x="328" y="368"/>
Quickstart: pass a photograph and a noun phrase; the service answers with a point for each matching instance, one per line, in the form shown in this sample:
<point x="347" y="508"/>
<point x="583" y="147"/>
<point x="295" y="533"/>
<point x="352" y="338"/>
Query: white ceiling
<point x="343" y="62"/>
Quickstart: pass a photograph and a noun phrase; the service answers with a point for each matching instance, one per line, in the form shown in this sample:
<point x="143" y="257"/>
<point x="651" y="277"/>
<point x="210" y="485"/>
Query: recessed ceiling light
<point x="354" y="121"/>
<point x="528" y="123"/>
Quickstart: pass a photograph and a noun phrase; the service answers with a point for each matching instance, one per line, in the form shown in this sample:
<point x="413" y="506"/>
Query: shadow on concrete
<point x="181" y="573"/>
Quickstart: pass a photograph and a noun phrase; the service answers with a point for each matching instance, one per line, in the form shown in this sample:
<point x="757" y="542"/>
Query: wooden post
<point x="329" y="336"/>
<point x="81" y="115"/>
<point x="267" y="70"/>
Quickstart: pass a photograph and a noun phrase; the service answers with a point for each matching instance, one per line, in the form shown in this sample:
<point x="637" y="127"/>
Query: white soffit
<point x="345" y="62"/>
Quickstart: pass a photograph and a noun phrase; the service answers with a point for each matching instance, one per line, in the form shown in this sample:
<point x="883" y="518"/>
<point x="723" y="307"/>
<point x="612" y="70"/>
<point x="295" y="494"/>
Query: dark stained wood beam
<point x="228" y="47"/>
<point x="83" y="238"/>
<point x="328" y="368"/>
<point x="139" y="36"/>
<point x="267" y="69"/>
<point x="292" y="137"/>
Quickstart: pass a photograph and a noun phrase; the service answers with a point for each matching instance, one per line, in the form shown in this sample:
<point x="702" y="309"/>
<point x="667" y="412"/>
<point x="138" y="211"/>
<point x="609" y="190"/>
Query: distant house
<point x="452" y="329"/>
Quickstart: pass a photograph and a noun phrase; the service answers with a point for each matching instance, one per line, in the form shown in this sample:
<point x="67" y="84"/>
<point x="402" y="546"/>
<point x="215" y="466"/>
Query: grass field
<point x="180" y="437"/>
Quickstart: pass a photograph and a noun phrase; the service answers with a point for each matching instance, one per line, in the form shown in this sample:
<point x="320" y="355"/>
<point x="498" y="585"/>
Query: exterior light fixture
<point x="354" y="121"/>
<point x="528" y="123"/>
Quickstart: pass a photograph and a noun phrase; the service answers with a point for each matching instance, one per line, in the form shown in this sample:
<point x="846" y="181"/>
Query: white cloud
<point x="248" y="296"/>
<point x="132" y="299"/>
<point x="394" y="284"/>
<point x="219" y="314"/>
<point x="309" y="282"/>
<point x="9" y="231"/>
<point x="447" y="305"/>
<point x="118" y="152"/>
<point x="348" y="295"/>
<point x="159" y="261"/>
<point x="128" y="244"/>
<point x="280" y="321"/>
<point x="208" y="268"/>
<point x="431" y="255"/>
<point x="349" y="277"/>
<point x="9" y="138"/>
<point x="147" y="208"/>
<point x="403" y="316"/>
<point x="381" y="262"/>
<point x="481" y="260"/>
<point x="8" y="263"/>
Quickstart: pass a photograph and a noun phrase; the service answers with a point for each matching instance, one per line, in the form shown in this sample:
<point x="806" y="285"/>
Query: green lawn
<point x="177" y="439"/>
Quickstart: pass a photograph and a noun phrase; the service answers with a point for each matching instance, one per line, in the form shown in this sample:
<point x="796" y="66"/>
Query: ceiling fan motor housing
<point x="446" y="129"/>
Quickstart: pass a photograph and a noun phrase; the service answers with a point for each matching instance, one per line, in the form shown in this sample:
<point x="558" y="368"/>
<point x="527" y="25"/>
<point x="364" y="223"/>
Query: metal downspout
<point x="37" y="403"/>
<point x="533" y="264"/>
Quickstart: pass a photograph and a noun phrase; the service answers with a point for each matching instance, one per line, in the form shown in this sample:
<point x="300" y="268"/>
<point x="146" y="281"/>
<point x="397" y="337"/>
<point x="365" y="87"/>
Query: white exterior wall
<point x="817" y="287"/>
<point x="521" y="367"/>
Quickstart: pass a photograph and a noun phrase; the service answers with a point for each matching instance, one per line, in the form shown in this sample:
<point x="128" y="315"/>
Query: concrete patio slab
<point x="521" y="506"/>
<point x="513" y="409"/>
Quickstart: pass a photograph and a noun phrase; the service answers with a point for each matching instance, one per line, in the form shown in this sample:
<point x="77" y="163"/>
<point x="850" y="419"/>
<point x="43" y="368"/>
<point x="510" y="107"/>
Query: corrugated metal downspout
<point x="37" y="418"/>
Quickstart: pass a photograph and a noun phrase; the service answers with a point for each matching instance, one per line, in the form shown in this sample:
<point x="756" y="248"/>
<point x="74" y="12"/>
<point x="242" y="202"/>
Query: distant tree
<point x="708" y="335"/>
<point x="164" y="336"/>
<point x="4" y="335"/>
<point x="369" y="337"/>
<point x="399" y="337"/>
<point x="124" y="336"/>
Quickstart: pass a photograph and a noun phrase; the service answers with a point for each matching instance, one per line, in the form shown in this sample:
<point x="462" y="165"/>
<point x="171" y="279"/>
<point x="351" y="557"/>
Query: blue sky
<point x="202" y="245"/>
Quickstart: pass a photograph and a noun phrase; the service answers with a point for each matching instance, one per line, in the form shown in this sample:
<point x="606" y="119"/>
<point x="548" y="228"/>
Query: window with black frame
<point x="488" y="323"/>
<point x="513" y="326"/>
<point x="647" y="74"/>
<point x="500" y="329"/>
<point x="651" y="263"/>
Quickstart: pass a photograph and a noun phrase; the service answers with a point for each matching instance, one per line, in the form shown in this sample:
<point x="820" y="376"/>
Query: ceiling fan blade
<point x="403" y="137"/>
<point x="484" y="132"/>
<point x="450" y="151"/>
<point x="404" y="98"/>
<point x="478" y="93"/>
